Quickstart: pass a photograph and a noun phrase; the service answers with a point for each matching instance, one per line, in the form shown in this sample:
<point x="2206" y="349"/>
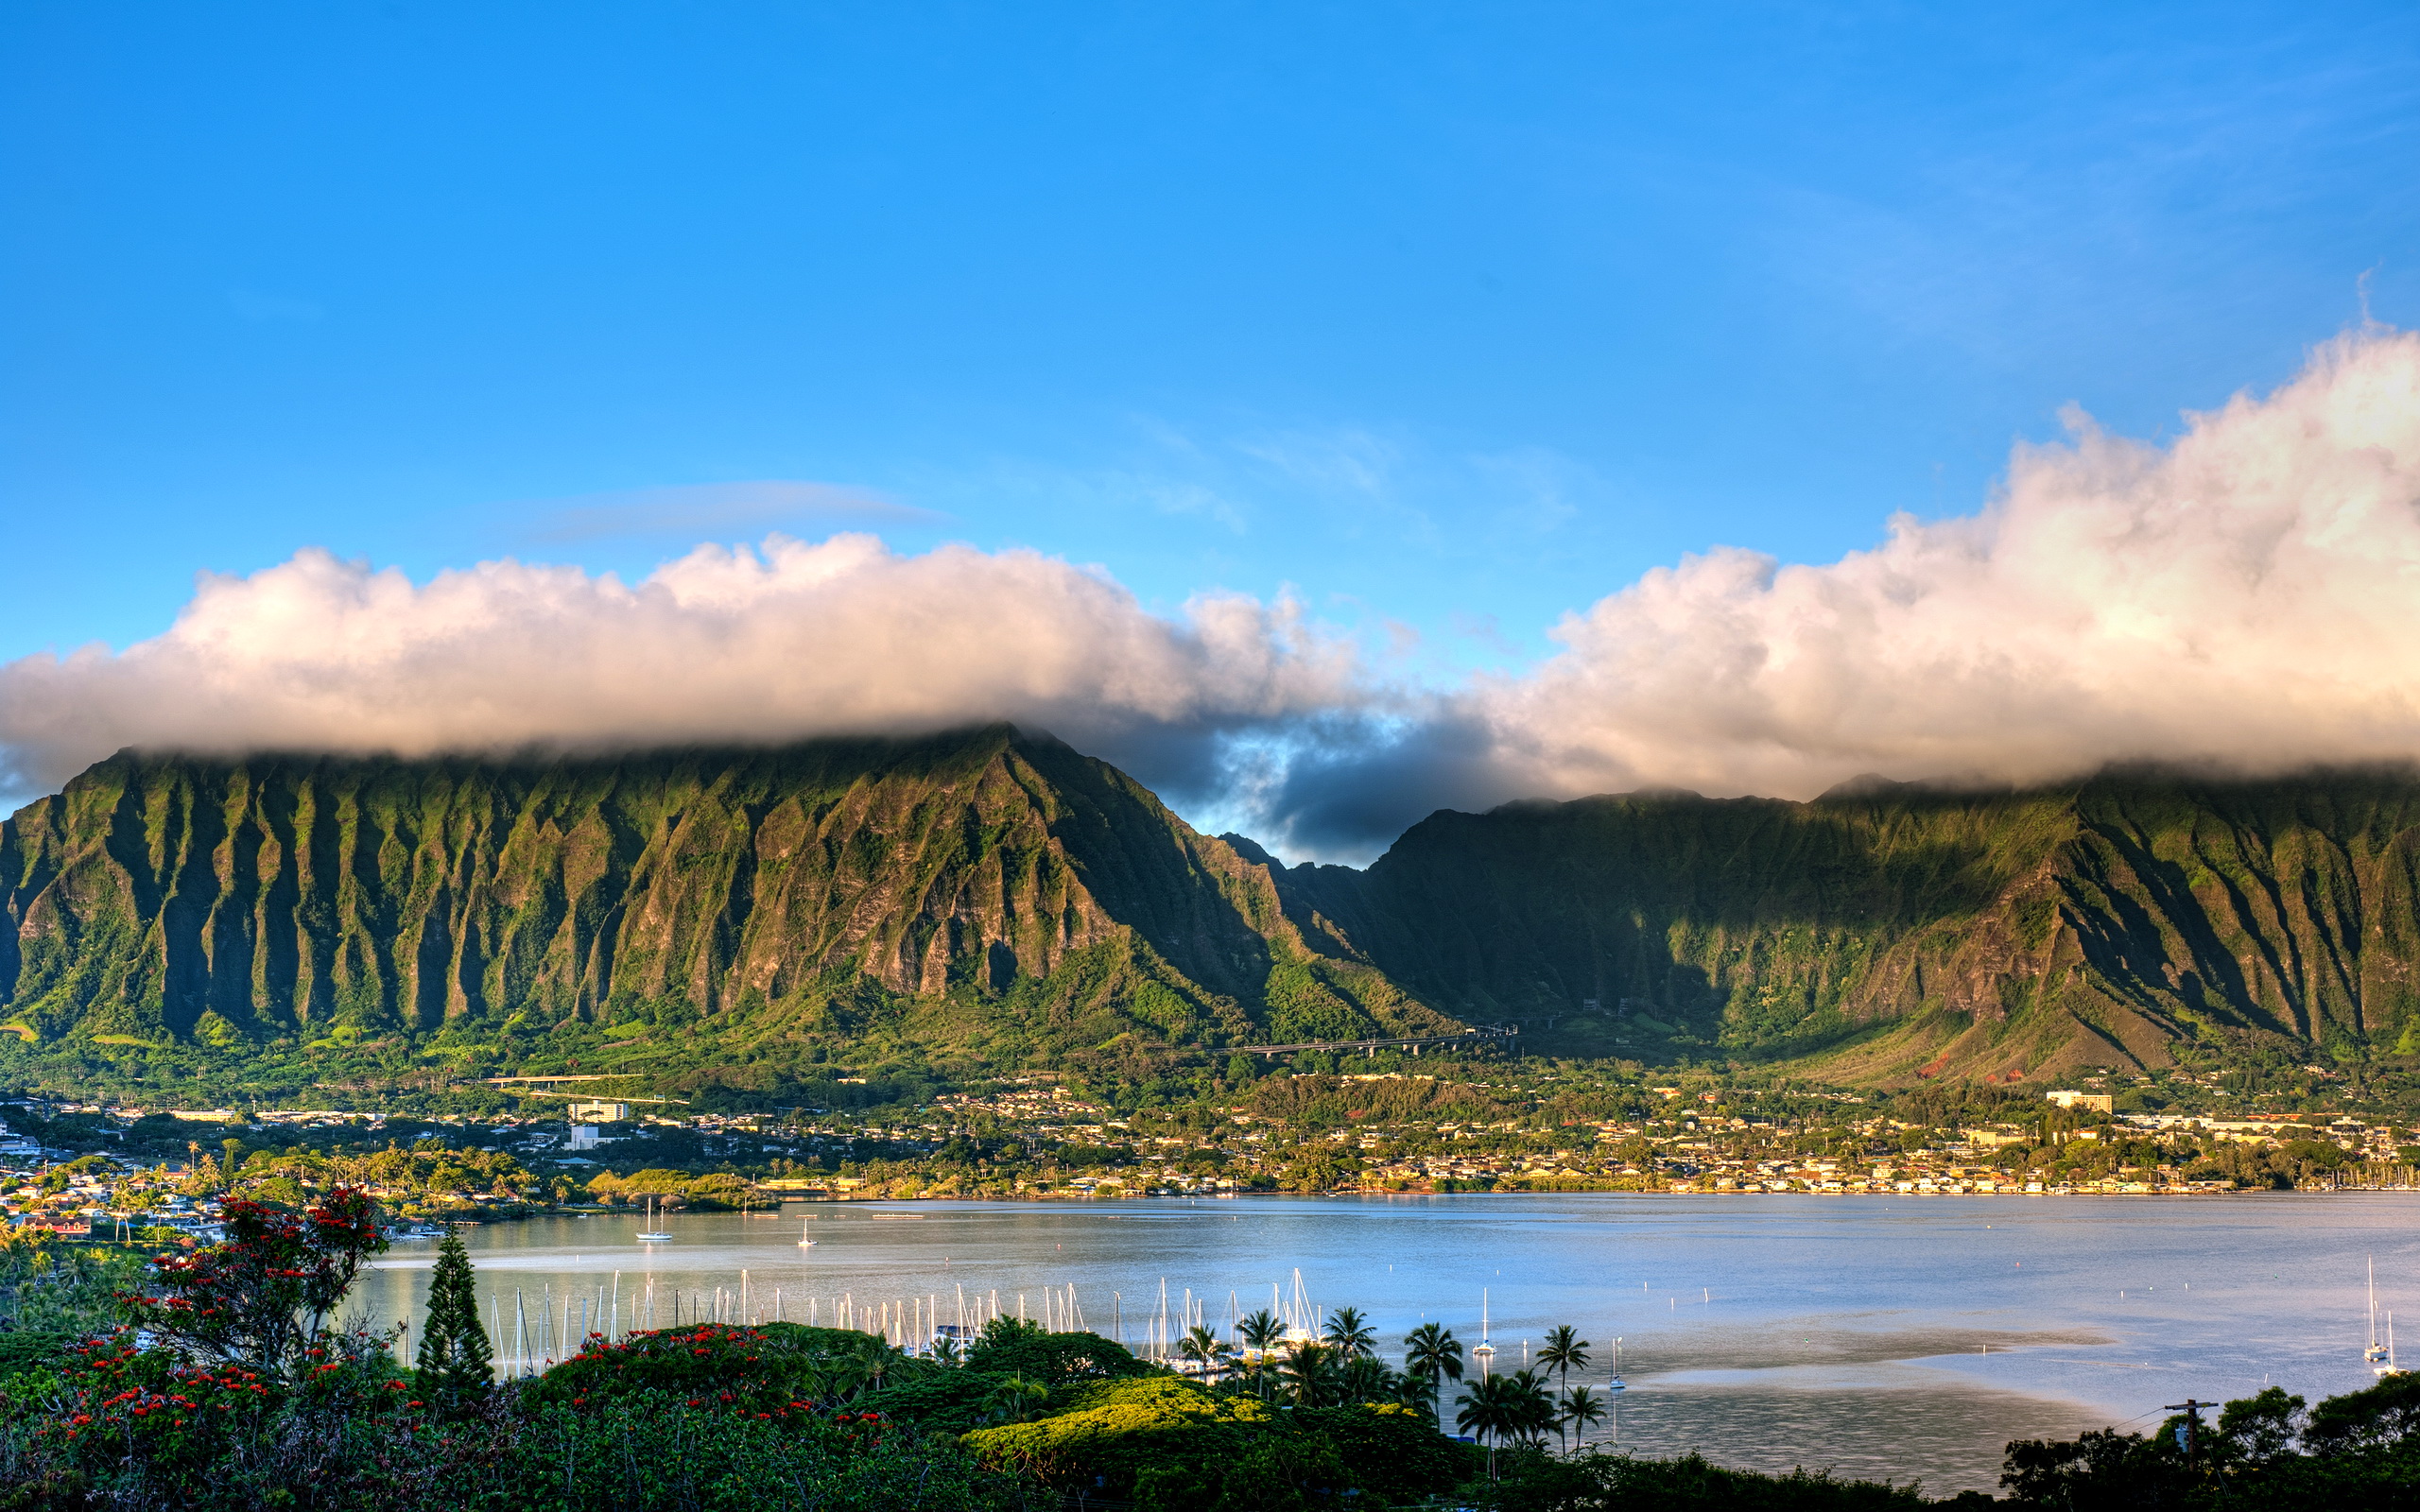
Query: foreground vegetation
<point x="222" y="1378"/>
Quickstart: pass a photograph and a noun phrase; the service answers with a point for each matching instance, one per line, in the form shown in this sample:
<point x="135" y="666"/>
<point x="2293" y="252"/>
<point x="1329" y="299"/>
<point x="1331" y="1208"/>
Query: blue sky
<point x="1449" y="313"/>
<point x="1456" y="317"/>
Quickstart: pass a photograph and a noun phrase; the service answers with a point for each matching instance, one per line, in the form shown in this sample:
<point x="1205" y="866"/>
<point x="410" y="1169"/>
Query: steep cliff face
<point x="1008" y="895"/>
<point x="169" y="899"/>
<point x="1899" y="932"/>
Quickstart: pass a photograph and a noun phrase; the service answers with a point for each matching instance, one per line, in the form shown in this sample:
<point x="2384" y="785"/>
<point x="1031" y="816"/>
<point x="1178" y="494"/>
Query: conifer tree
<point x="454" y="1350"/>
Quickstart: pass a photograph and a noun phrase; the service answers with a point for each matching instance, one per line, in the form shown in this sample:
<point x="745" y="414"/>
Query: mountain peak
<point x="1041" y="899"/>
<point x="1865" y="784"/>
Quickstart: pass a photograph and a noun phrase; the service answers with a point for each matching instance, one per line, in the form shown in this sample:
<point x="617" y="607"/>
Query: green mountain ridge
<point x="990" y="897"/>
<point x="1895" y="931"/>
<point x="986" y="891"/>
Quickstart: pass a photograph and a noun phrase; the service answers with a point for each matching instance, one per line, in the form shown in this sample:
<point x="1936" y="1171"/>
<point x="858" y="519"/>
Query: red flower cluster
<point x="264" y="1294"/>
<point x="120" y="1388"/>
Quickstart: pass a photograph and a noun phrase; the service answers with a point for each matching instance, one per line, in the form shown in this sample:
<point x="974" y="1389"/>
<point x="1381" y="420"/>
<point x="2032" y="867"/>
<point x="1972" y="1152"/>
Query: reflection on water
<point x="1719" y="1344"/>
<point x="1950" y="1439"/>
<point x="1902" y="1338"/>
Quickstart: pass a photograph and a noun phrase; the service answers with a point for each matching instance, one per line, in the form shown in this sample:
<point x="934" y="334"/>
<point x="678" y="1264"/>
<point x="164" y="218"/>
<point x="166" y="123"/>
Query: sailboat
<point x="651" y="1234"/>
<point x="804" y="1241"/>
<point x="1486" y="1352"/>
<point x="1616" y="1383"/>
<point x="2379" y="1357"/>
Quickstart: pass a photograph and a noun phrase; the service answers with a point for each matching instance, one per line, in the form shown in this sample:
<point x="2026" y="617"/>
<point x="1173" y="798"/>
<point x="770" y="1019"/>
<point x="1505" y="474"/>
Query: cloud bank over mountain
<point x="732" y="644"/>
<point x="2247" y="596"/>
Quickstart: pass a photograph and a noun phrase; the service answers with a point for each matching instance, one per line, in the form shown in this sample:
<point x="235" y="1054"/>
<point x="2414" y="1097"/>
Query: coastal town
<point x="96" y="1170"/>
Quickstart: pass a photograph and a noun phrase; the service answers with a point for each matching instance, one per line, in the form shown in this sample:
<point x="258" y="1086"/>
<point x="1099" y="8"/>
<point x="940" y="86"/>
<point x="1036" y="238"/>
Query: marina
<point x="1882" y="1339"/>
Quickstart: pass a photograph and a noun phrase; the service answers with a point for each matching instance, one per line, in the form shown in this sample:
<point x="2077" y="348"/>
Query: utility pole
<point x="2188" y="1433"/>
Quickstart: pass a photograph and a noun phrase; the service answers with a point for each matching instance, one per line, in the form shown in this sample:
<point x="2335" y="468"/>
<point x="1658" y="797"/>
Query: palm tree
<point x="1564" y="1351"/>
<point x="877" y="1359"/>
<point x="1530" y="1412"/>
<point x="946" y="1353"/>
<point x="1366" y="1378"/>
<point x="1259" y="1333"/>
<point x="833" y="1379"/>
<point x="1431" y="1354"/>
<point x="1013" y="1400"/>
<point x="1579" y="1410"/>
<point x="1261" y="1330"/>
<point x="1350" y="1333"/>
<point x="1432" y="1350"/>
<point x="1487" y="1414"/>
<point x="1311" y="1374"/>
<point x="1200" y="1344"/>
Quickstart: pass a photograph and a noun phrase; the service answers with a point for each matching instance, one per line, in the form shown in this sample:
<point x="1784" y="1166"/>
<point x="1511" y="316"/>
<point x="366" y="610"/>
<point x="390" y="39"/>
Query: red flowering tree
<point x="262" y="1300"/>
<point x="771" y="1371"/>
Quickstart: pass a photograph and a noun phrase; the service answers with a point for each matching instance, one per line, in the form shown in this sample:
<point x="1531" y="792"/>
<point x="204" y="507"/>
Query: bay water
<point x="1904" y="1338"/>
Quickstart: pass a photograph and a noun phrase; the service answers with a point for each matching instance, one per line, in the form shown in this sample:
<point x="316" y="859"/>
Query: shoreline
<point x="1089" y="1199"/>
<point x="495" y="1220"/>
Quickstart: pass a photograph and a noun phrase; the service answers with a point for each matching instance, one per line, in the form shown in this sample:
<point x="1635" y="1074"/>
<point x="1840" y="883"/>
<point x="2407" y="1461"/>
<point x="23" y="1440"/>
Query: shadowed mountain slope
<point x="1899" y="932"/>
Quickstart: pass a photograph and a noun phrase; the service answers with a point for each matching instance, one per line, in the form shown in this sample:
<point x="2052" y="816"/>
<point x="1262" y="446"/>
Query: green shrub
<point x="62" y="1288"/>
<point x="134" y="1429"/>
<point x="1390" y="1450"/>
<point x="1533" y="1481"/>
<point x="1010" y="1348"/>
<point x="944" y="1401"/>
<point x="2355" y="1452"/>
<point x="2383" y="1415"/>
<point x="651" y="1450"/>
<point x="25" y="1350"/>
<point x="772" y="1368"/>
<point x="1110" y="1431"/>
<point x="126" y="1427"/>
<point x="1166" y="1442"/>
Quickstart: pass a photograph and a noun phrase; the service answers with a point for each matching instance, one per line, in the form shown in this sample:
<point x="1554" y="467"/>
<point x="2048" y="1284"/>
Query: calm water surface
<point x="1881" y="1337"/>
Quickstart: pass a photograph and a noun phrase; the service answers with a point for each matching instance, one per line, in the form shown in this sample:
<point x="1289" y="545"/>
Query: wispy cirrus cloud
<point x="710" y="509"/>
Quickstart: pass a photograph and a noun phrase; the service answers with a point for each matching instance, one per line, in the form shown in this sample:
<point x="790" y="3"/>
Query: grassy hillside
<point x="984" y="895"/>
<point x="1893" y="932"/>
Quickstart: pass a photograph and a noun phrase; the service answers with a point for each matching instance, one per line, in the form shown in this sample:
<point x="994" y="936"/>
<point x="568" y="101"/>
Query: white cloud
<point x="722" y="645"/>
<point x="2248" y="596"/>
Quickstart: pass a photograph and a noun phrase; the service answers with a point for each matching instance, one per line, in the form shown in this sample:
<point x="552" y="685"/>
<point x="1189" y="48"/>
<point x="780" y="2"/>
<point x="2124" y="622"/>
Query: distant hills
<point x="1894" y="932"/>
<point x="996" y="898"/>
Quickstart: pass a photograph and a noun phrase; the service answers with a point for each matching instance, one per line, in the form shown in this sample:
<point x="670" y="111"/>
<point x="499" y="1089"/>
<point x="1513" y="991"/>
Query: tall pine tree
<point x="454" y="1352"/>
